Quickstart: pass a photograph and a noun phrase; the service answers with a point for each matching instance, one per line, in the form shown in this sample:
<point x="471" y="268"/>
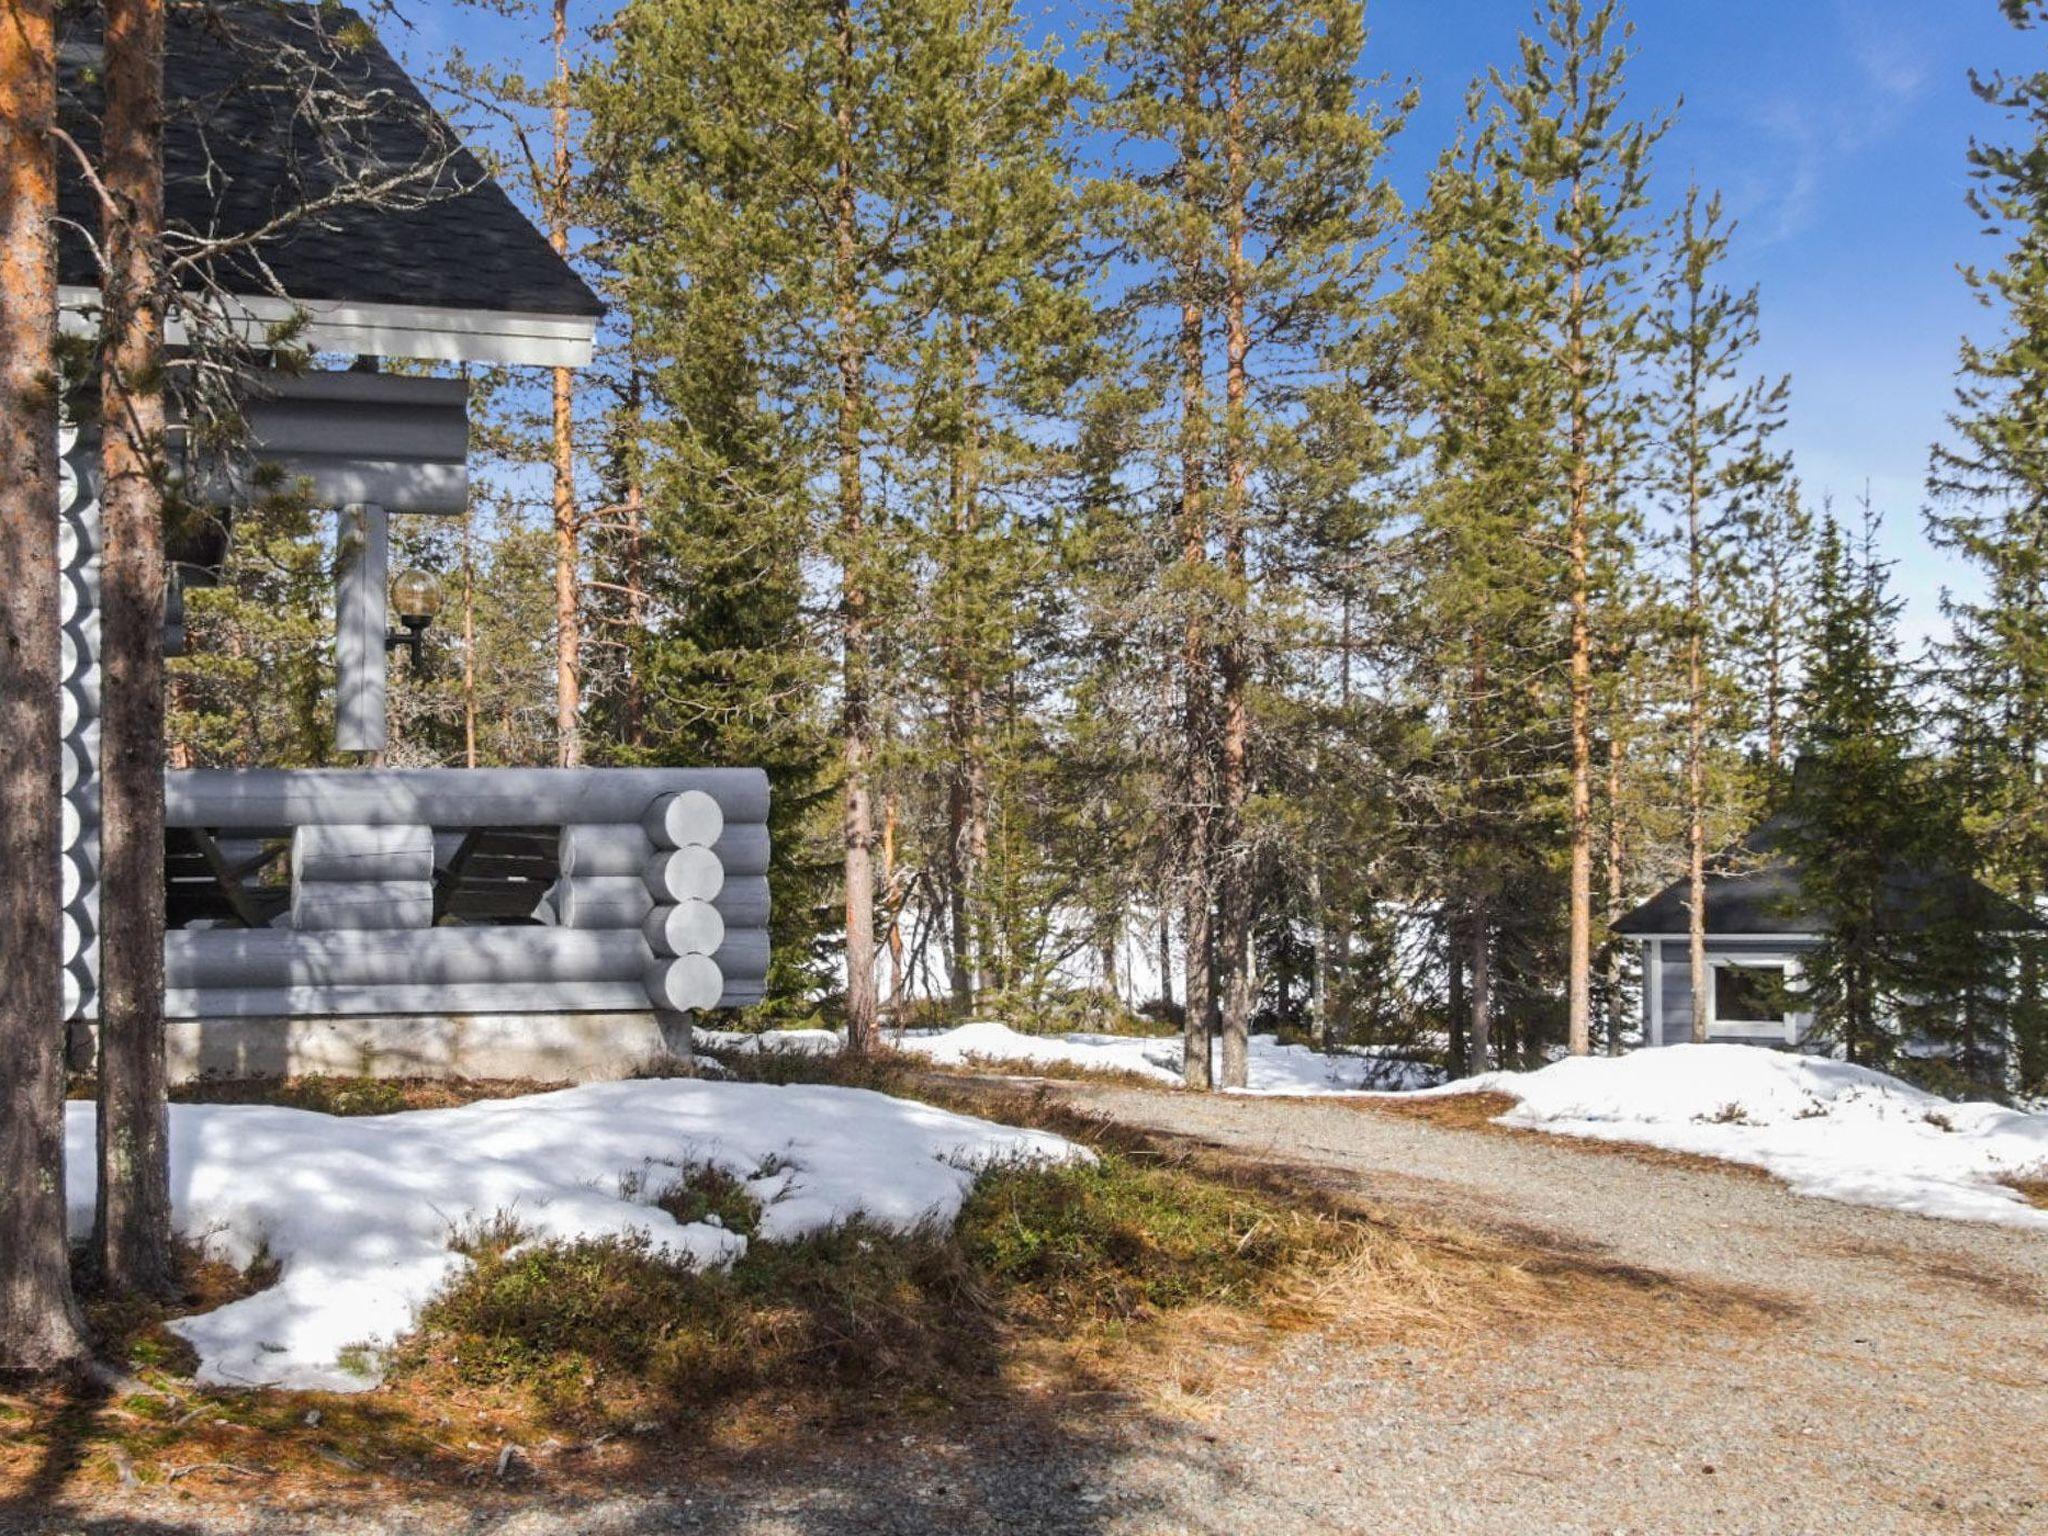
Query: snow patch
<point x="1826" y="1128"/>
<point x="768" y="1042"/>
<point x="1276" y="1069"/>
<point x="362" y="1214"/>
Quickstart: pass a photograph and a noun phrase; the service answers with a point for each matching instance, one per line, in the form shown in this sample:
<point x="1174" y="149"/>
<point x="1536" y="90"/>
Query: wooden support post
<point x="363" y="569"/>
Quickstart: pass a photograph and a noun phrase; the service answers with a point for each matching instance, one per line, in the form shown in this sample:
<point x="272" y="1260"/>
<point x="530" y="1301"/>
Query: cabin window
<point x="1752" y="994"/>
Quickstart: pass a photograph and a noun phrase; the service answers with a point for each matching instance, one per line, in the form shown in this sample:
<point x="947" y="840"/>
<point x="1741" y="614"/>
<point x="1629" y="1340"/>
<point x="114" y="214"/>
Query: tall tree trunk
<point x="568" y="619"/>
<point x="1617" y="880"/>
<point x="967" y="796"/>
<point x="1340" y="970"/>
<point x="1319" y="958"/>
<point x="1482" y="990"/>
<point x="1197" y="857"/>
<point x="1197" y="852"/>
<point x="634" y="514"/>
<point x="39" y="1322"/>
<point x="893" y="941"/>
<point x="1232" y="857"/>
<point x="1579" y="995"/>
<point x="132" y="1223"/>
<point x="1456" y="1000"/>
<point x="1165" y="952"/>
<point x="856" y="727"/>
<point x="1696" y="703"/>
<point x="1774" y="666"/>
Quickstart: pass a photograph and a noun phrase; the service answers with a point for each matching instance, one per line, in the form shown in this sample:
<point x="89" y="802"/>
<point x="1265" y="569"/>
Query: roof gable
<point x="242" y="155"/>
<point x="1754" y="890"/>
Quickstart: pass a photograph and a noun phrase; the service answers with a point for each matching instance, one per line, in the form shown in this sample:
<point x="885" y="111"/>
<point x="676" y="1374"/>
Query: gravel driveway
<point x="1902" y="1387"/>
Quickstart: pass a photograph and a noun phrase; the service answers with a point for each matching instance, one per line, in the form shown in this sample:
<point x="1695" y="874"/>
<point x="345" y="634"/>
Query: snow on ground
<point x="361" y="1214"/>
<point x="799" y="1042"/>
<point x="1826" y="1128"/>
<point x="1275" y="1068"/>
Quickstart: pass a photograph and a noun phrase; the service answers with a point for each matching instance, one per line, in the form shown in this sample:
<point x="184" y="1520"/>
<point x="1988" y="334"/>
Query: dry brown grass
<point x="2033" y="1188"/>
<point x="1145" y="1286"/>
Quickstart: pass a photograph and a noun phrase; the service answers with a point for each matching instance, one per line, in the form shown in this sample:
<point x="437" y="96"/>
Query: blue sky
<point x="1836" y="129"/>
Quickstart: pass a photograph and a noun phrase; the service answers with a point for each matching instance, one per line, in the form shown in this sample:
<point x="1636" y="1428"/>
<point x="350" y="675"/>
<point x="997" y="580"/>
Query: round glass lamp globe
<point x="416" y="595"/>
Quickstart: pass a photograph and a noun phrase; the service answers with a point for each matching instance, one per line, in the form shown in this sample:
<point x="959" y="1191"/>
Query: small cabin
<point x="1760" y="926"/>
<point x="1756" y="936"/>
<point x="513" y="921"/>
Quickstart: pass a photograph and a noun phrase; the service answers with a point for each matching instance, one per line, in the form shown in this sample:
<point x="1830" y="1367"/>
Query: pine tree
<point x="1010" y="334"/>
<point x="1990" y="483"/>
<point x="1716" y="430"/>
<point x="562" y="404"/>
<point x="1566" y="135"/>
<point x="1265" y="236"/>
<point x="801" y="157"/>
<point x="132" y="1219"/>
<point x="40" y="1327"/>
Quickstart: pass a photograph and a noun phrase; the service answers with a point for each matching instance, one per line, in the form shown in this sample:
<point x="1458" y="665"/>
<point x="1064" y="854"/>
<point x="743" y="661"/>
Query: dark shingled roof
<point x="1754" y="889"/>
<point x="239" y="150"/>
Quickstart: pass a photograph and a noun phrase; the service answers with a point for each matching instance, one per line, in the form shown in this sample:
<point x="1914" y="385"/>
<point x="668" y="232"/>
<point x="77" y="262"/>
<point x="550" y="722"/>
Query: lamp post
<point x="416" y="595"/>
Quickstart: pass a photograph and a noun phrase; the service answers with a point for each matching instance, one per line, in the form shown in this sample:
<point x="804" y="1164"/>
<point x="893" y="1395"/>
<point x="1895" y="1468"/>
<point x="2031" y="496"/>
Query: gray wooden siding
<point x="1676" y="991"/>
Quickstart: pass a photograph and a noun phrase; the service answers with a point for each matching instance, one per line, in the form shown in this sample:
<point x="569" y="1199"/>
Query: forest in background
<point x="1118" y="522"/>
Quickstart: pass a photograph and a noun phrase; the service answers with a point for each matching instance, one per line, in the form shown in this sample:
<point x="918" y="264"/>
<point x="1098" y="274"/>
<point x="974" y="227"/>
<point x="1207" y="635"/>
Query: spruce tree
<point x="1852" y="821"/>
<point x="1009" y="337"/>
<point x="1483" y="635"/>
<point x="1767" y="635"/>
<point x="1990" y="486"/>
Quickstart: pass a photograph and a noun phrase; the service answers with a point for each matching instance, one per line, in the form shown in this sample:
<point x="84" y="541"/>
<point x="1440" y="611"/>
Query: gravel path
<point x="1904" y="1388"/>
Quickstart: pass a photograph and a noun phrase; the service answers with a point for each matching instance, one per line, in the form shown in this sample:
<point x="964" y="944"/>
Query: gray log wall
<point x="662" y="900"/>
<point x="78" y="555"/>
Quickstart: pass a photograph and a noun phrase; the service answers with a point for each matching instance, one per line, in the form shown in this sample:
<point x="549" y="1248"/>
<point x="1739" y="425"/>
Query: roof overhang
<point x="416" y="331"/>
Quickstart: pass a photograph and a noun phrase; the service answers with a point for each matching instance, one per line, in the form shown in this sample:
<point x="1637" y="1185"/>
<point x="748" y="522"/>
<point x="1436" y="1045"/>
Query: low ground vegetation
<point x="1136" y="1283"/>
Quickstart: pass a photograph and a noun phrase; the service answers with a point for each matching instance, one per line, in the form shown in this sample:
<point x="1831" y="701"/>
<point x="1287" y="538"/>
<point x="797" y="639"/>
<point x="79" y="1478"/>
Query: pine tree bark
<point x="1617" y="878"/>
<point x="1457" y="1001"/>
<point x="1233" y="861"/>
<point x="1696" y="832"/>
<point x="1340" y="942"/>
<point x="1165" y="952"/>
<point x="633" y="724"/>
<point x="568" y="617"/>
<point x="132" y="1222"/>
<point x="967" y="798"/>
<point x="40" y="1327"/>
<point x="1579" y="990"/>
<point x="1197" y="857"/>
<point x="1198" y="958"/>
<point x="1482" y="990"/>
<point x="1696" y="690"/>
<point x="856" y="727"/>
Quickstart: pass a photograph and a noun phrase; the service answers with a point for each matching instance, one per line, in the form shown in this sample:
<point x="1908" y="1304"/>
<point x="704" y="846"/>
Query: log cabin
<point x="512" y="921"/>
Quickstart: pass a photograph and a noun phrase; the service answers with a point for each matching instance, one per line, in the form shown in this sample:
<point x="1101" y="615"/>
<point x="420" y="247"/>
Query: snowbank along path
<point x="364" y="1215"/>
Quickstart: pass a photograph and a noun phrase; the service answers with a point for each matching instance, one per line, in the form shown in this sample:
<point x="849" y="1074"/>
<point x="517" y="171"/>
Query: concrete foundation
<point x="544" y="1047"/>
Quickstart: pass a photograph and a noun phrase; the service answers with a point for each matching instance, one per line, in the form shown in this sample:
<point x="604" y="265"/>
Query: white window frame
<point x="1791" y="1029"/>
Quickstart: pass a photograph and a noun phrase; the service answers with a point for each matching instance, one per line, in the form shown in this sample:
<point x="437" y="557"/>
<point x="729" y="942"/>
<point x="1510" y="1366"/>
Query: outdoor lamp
<point x="417" y="597"/>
